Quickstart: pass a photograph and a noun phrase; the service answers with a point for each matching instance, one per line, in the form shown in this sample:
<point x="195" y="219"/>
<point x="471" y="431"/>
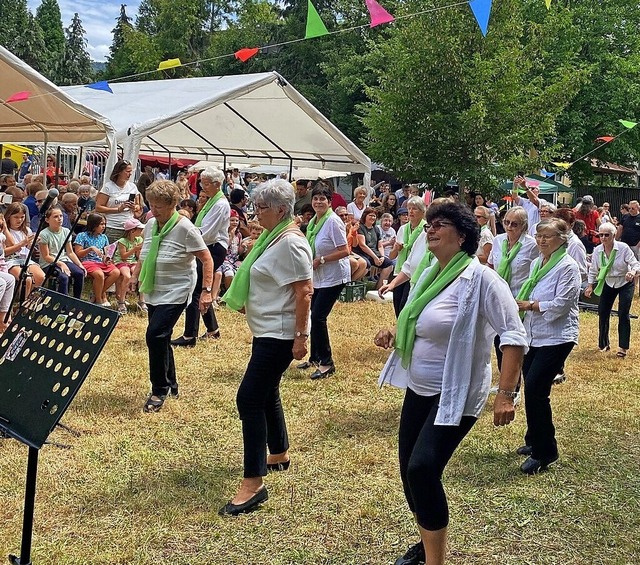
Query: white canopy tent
<point x="250" y="119"/>
<point x="48" y="115"/>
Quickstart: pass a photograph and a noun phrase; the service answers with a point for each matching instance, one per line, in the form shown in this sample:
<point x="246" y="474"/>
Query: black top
<point x="630" y="229"/>
<point x="8" y="167"/>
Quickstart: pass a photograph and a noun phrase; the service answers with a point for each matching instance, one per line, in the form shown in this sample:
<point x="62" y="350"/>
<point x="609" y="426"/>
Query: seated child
<point x="125" y="258"/>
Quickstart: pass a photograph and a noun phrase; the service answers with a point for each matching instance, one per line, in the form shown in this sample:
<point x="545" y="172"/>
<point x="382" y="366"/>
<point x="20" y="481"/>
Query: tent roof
<point x="252" y="119"/>
<point x="48" y="115"/>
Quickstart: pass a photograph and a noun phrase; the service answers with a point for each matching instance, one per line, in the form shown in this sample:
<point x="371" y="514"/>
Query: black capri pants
<point x="425" y="450"/>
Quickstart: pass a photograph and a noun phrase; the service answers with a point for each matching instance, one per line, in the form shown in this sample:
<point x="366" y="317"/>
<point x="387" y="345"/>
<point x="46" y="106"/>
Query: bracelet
<point x="508" y="393"/>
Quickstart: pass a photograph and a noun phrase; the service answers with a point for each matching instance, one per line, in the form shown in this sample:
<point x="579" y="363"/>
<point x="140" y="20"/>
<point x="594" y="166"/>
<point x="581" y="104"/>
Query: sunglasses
<point x="510" y="224"/>
<point x="437" y="224"/>
<point x="544" y="237"/>
<point x="604" y="234"/>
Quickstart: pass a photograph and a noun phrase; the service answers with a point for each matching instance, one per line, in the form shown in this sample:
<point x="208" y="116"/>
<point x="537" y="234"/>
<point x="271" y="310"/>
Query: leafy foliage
<point x="76" y="62"/>
<point x="49" y="18"/>
<point x="29" y="47"/>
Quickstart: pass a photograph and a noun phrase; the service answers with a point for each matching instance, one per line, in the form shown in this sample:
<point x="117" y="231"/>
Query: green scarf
<point x="207" y="206"/>
<point x="147" y="276"/>
<point x="236" y="296"/>
<point x="313" y="228"/>
<point x="504" y="269"/>
<point x="412" y="235"/>
<point x="432" y="285"/>
<point x="605" y="267"/>
<point x="426" y="260"/>
<point x="538" y="273"/>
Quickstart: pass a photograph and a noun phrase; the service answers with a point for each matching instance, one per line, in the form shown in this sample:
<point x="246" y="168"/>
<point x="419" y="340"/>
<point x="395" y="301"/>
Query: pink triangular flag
<point x="19" y="96"/>
<point x="378" y="14"/>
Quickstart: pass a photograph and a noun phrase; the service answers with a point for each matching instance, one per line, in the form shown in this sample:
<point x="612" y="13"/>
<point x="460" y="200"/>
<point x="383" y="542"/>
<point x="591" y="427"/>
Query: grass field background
<point x="145" y="488"/>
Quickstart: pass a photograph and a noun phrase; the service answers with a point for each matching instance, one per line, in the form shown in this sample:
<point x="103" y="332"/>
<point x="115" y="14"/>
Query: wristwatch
<point x="531" y="303"/>
<point x="207" y="289"/>
<point x="322" y="261"/>
<point x="300" y="334"/>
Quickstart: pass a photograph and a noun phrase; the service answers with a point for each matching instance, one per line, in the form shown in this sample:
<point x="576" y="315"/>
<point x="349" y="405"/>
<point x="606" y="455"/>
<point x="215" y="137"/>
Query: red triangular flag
<point x="605" y="138"/>
<point x="245" y="54"/>
<point x="19" y="96"/>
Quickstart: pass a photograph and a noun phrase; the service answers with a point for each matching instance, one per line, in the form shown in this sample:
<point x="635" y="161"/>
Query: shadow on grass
<point x="112" y="403"/>
<point x="350" y="423"/>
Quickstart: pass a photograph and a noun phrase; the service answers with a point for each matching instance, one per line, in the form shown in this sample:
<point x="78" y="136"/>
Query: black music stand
<point x="45" y="356"/>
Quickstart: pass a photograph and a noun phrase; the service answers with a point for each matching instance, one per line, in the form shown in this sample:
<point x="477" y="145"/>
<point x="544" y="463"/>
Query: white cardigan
<point x="486" y="308"/>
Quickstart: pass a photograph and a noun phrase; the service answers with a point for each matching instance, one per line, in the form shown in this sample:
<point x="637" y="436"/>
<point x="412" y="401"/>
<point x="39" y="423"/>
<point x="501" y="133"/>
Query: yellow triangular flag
<point x="548" y="3"/>
<point x="169" y="64"/>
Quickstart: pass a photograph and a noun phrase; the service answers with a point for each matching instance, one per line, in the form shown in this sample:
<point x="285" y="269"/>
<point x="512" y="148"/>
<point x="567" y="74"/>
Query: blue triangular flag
<point x="102" y="85"/>
<point x="481" y="10"/>
<point x="546" y="173"/>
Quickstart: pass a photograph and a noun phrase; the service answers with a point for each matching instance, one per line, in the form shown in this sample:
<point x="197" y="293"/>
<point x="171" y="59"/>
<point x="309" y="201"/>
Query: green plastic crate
<point x="353" y="291"/>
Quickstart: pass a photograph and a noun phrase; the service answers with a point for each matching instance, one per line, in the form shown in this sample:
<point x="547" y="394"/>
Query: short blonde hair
<point x="165" y="191"/>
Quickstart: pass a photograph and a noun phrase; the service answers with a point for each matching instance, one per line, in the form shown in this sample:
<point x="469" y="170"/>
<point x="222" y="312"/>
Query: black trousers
<point x="162" y="369"/>
<point x="322" y="303"/>
<point x="607" y="298"/>
<point x="400" y="295"/>
<point x="259" y="404"/>
<point x="425" y="450"/>
<point x="540" y="365"/>
<point x="192" y="316"/>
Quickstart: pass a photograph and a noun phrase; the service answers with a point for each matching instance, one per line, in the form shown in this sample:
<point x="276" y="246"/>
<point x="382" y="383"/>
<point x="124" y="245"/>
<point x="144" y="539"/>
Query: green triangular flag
<point x="315" y="26"/>
<point x="628" y="124"/>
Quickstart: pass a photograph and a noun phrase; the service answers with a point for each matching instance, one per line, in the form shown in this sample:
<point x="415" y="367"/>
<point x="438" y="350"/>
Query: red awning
<point x="159" y="161"/>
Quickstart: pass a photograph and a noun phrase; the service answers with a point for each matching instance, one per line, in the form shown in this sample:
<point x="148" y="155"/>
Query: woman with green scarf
<point x="483" y="216"/>
<point x="273" y="287"/>
<point x="167" y="275"/>
<point x="511" y="255"/>
<point x="611" y="275"/>
<point x="410" y="236"/>
<point x="548" y="302"/>
<point x="443" y="358"/>
<point x="331" y="271"/>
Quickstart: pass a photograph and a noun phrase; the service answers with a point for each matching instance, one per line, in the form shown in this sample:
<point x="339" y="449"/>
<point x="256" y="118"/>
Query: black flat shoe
<point x="282" y="466"/>
<point x="210" y="335"/>
<point x="174" y="391"/>
<point x="318" y="374"/>
<point x="305" y="365"/>
<point x="534" y="466"/>
<point x="413" y="556"/>
<point x="524" y="450"/>
<point x="230" y="509"/>
<point x="184" y="342"/>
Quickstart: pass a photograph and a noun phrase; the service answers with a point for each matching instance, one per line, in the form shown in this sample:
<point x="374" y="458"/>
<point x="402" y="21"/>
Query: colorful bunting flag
<point x="546" y="173"/>
<point x="548" y="3"/>
<point x="481" y="10"/>
<point x="169" y="64"/>
<point x="245" y="54"/>
<point x="19" y="96"/>
<point x="101" y="85"/>
<point x="562" y="165"/>
<point x="378" y="14"/>
<point x="315" y="25"/>
<point x="628" y="124"/>
<point x="605" y="138"/>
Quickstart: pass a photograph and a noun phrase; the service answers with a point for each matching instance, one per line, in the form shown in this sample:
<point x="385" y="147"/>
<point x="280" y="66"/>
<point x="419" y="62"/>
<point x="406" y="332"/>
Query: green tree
<point x="49" y="18"/>
<point x="77" y="62"/>
<point x="119" y="59"/>
<point x="450" y="102"/>
<point x="22" y="35"/>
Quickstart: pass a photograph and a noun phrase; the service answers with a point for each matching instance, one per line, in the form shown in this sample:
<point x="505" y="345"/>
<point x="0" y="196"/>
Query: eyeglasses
<point x="480" y="216"/>
<point x="604" y="234"/>
<point x="545" y="237"/>
<point x="437" y="224"/>
<point x="262" y="207"/>
<point x="39" y="200"/>
<point x="510" y="224"/>
<point x="342" y="215"/>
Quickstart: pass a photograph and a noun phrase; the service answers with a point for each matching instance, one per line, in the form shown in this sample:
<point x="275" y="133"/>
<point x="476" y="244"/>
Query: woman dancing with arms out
<point x="443" y="358"/>
<point x="273" y="286"/>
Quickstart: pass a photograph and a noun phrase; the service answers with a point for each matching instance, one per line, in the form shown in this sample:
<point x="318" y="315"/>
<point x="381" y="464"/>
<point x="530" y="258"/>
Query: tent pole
<point x="290" y="169"/>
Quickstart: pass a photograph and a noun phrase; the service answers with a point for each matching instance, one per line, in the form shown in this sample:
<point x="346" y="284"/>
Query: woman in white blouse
<point x="443" y="358"/>
<point x="358" y="205"/>
<point x="549" y="300"/>
<point x="331" y="272"/>
<point x="483" y="215"/>
<point x="511" y="255"/>
<point x="613" y="268"/>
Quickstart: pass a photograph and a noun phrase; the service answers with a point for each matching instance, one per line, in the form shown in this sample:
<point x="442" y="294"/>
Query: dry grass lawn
<point x="145" y="488"/>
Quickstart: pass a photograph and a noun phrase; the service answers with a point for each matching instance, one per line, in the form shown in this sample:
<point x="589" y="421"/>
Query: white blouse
<point x="557" y="295"/>
<point x="521" y="264"/>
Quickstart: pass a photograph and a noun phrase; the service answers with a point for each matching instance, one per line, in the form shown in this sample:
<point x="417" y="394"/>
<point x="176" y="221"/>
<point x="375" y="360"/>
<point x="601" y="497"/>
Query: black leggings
<point x="425" y="450"/>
